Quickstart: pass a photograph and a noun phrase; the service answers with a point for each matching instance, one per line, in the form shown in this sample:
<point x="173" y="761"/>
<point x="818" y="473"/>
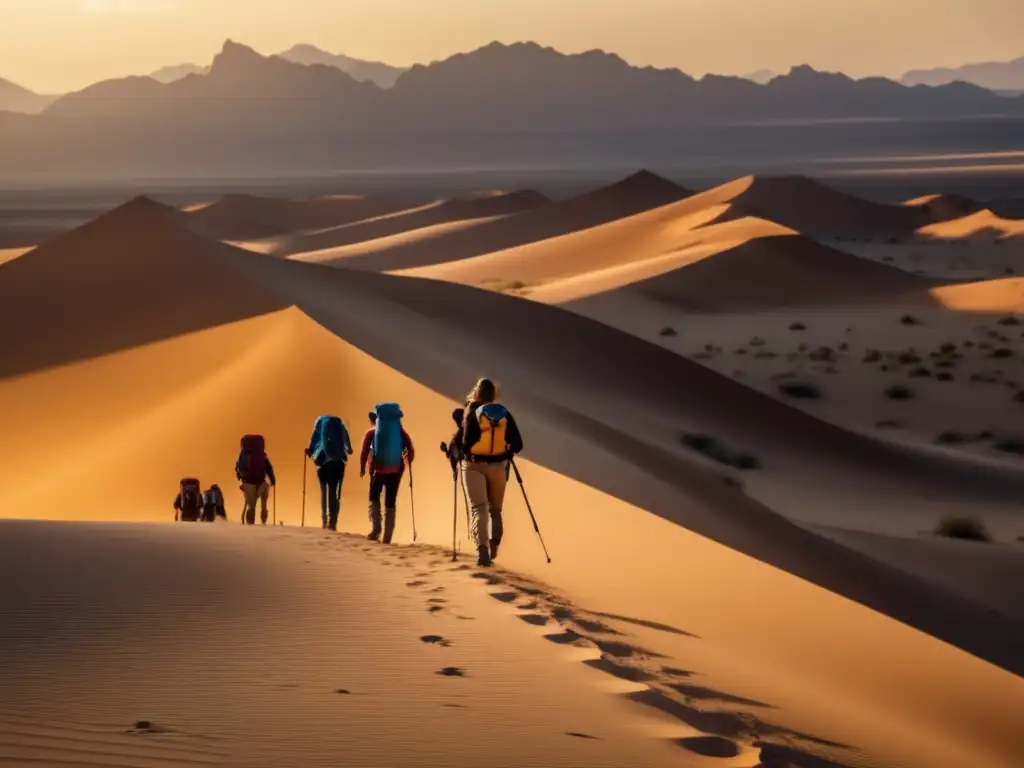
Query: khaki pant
<point x="252" y="493"/>
<point x="485" y="485"/>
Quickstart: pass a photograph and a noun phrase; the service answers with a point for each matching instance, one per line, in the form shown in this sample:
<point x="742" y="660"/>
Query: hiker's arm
<point x="238" y="468"/>
<point x="270" y="472"/>
<point x="365" y="452"/>
<point x="314" y="440"/>
<point x="348" y="441"/>
<point x="177" y="501"/>
<point x="470" y="428"/>
<point x="512" y="436"/>
<point x="408" y="446"/>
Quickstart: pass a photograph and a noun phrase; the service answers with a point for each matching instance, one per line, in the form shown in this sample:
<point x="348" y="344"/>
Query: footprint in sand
<point x="417" y="583"/>
<point x="435" y="640"/>
<point x="148" y="726"/>
<point x="578" y="735"/>
<point x="437" y="600"/>
<point x="452" y="672"/>
<point x="536" y="619"/>
<point x="505" y="597"/>
<point x="435" y="608"/>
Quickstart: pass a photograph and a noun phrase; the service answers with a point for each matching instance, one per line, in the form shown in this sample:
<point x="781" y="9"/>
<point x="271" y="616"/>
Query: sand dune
<point x="9" y="254"/>
<point x="698" y="252"/>
<point x="982" y="224"/>
<point x="639" y="192"/>
<point x="945" y="207"/>
<point x="815" y="209"/>
<point x="268" y="344"/>
<point x="250" y="217"/>
<point x="985" y="296"/>
<point x="474" y="207"/>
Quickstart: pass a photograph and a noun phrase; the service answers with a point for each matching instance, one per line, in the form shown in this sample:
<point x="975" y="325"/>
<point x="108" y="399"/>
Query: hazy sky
<point x="57" y="45"/>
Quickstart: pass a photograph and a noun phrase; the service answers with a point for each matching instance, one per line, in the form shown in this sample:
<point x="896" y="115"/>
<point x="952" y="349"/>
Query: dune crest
<point x="639" y="192"/>
<point x="981" y="224"/>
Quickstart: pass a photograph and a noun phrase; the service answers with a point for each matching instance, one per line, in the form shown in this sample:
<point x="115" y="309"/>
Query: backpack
<point x="212" y="497"/>
<point x="387" y="435"/>
<point x="190" y="495"/>
<point x="334" y="440"/>
<point x="493" y="420"/>
<point x="253" y="460"/>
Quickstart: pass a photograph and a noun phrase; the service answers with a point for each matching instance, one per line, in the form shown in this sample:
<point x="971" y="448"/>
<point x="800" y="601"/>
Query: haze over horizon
<point x="54" y="46"/>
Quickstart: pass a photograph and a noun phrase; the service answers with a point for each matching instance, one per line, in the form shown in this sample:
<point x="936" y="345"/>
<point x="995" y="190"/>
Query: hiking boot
<point x="389" y="524"/>
<point x="485" y="558"/>
<point x="374" y="534"/>
<point x="494" y="549"/>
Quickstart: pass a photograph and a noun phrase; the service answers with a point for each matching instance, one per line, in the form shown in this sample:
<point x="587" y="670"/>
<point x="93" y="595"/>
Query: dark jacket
<point x="471" y="434"/>
<point x="269" y="471"/>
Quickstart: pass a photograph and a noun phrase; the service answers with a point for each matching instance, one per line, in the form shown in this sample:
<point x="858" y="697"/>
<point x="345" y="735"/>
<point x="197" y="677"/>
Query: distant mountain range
<point x="249" y="109"/>
<point x="377" y="72"/>
<point x="14" y="98"/>
<point x="1001" y="76"/>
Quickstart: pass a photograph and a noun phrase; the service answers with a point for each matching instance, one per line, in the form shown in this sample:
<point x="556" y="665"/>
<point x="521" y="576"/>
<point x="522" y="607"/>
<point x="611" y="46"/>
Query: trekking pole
<point x="412" y="503"/>
<point x="519" y="479"/>
<point x="455" y="511"/>
<point x="305" y="463"/>
<point x="275" y="506"/>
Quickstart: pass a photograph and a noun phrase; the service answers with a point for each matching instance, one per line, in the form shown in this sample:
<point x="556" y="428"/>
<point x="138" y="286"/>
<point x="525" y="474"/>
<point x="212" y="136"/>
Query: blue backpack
<point x="387" y="435"/>
<point x="334" y="440"/>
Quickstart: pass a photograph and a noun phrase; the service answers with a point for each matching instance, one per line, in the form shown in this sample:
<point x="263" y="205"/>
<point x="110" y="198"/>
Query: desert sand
<point x="698" y="610"/>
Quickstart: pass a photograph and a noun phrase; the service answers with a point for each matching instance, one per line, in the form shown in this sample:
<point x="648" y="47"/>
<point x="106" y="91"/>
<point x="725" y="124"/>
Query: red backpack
<point x="252" y="463"/>
<point x="190" y="498"/>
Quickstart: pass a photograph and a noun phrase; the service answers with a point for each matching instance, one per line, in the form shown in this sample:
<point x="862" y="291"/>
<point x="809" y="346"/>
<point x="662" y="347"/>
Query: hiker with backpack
<point x="253" y="469"/>
<point x="329" y="447"/>
<point x="490" y="440"/>
<point x="213" y="504"/>
<point x="387" y="447"/>
<point x="188" y="502"/>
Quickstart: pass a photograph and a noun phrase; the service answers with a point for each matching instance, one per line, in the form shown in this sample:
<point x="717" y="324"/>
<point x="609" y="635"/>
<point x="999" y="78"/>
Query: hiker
<point x="188" y="502"/>
<point x="253" y="469"/>
<point x="490" y="439"/>
<point x="213" y="505"/>
<point x="388" y="447"/>
<point x="329" y="447"/>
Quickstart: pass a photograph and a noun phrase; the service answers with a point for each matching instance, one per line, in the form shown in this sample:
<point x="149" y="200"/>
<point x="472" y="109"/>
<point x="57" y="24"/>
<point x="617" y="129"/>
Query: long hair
<point x="484" y="391"/>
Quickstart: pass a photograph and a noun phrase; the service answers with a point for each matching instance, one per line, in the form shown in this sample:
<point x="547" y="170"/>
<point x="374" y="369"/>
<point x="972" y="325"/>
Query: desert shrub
<point x="872" y="356"/>
<point x="797" y="327"/>
<point x="950" y="437"/>
<point x="667" y="331"/>
<point x="822" y="354"/>
<point x="757" y="341"/>
<point x="741" y="351"/>
<point x="1009" y="271"/>
<point x="1019" y="397"/>
<point x="718" y="451"/>
<point x="1009" y="445"/>
<point x="765" y="355"/>
<point x="1009" y="320"/>
<point x="920" y="373"/>
<point x="800" y="390"/>
<point x="844" y="347"/>
<point x="944" y="376"/>
<point x="907" y="358"/>
<point x="887" y="424"/>
<point x="948" y="348"/>
<point x="1001" y="353"/>
<point x="909" y="320"/>
<point x="958" y="527"/>
<point x="968" y="344"/>
<point x="899" y="392"/>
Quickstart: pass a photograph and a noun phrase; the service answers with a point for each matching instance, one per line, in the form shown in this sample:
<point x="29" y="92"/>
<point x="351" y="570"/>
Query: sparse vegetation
<point x="950" y="437"/>
<point x="741" y="351"/>
<point x="1009" y="320"/>
<point x="920" y="373"/>
<point x="957" y="527"/>
<point x="800" y="390"/>
<point x="909" y="320"/>
<point x="797" y="327"/>
<point x="713" y="449"/>
<point x="887" y="424"/>
<point x="822" y="354"/>
<point x="757" y="341"/>
<point x="1001" y="353"/>
<point x="844" y="347"/>
<point x="668" y="331"/>
<point x="944" y="376"/>
<point x="907" y="358"/>
<point x="1019" y="397"/>
<point x="1009" y="445"/>
<point x="947" y="349"/>
<point x="899" y="392"/>
<point x="872" y="356"/>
